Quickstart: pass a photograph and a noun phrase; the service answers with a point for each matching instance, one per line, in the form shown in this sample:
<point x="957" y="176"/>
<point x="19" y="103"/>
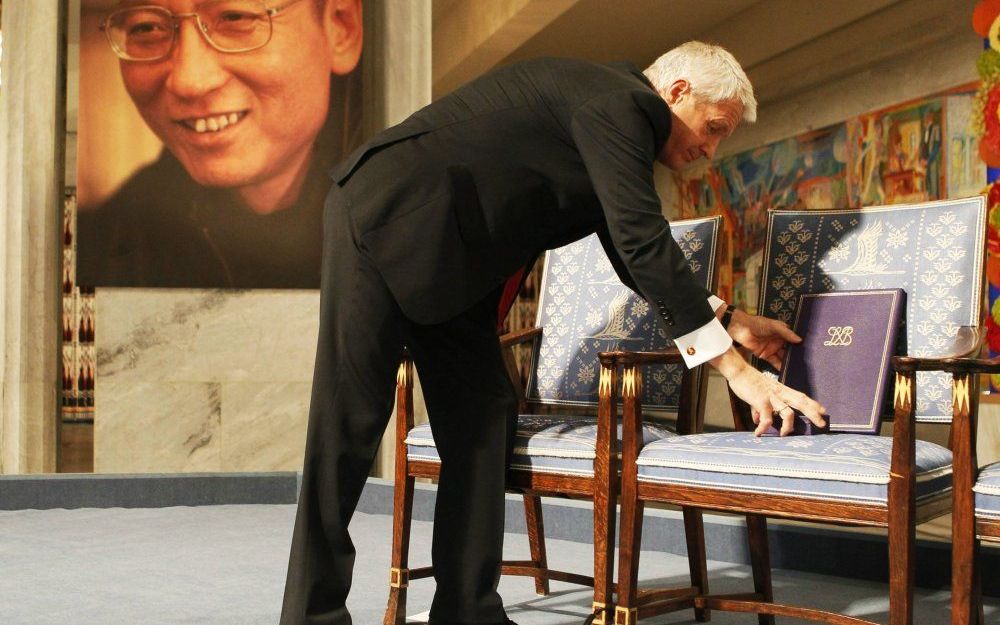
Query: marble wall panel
<point x="193" y="334"/>
<point x="264" y="425"/>
<point x="157" y="427"/>
<point x="202" y="380"/>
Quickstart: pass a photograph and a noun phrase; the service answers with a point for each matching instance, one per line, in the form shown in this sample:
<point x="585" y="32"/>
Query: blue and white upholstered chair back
<point x="933" y="251"/>
<point x="584" y="309"/>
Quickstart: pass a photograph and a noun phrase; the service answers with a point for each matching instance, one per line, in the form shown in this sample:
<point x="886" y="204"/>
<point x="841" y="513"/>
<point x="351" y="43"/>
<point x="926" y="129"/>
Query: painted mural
<point x="916" y="151"/>
<point x="895" y="155"/>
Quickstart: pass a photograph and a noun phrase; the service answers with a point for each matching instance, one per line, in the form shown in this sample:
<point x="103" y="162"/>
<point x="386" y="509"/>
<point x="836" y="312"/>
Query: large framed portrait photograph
<point x="206" y="131"/>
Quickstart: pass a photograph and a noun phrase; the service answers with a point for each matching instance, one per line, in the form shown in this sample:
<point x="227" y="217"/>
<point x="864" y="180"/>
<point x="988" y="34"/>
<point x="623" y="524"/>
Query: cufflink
<point x="690" y="351"/>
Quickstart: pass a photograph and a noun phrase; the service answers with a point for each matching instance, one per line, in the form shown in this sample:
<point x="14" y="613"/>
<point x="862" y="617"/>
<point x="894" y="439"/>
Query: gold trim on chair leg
<point x="399" y="578"/>
<point x="626" y="616"/>
<point x="630" y="383"/>
<point x="902" y="393"/>
<point x="600" y="611"/>
<point x="604" y="383"/>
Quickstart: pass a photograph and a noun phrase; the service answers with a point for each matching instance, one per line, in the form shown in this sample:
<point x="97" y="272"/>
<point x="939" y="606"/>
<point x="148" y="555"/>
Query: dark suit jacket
<point x="528" y="157"/>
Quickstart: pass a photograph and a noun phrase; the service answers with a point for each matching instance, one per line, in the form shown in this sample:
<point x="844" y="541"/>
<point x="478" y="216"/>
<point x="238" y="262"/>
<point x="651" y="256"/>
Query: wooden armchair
<point x="934" y="252"/>
<point x="976" y="510"/>
<point x="566" y="443"/>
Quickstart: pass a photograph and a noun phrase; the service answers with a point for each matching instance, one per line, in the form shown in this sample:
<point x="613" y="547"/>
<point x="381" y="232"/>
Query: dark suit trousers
<point x="472" y="409"/>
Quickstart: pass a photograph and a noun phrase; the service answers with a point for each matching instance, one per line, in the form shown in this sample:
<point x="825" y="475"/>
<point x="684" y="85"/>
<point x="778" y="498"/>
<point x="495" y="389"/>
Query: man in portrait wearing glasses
<point x="252" y="100"/>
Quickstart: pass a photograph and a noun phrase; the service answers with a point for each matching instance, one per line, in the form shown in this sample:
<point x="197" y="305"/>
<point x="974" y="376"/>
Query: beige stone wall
<point x="31" y="152"/>
<point x="195" y="380"/>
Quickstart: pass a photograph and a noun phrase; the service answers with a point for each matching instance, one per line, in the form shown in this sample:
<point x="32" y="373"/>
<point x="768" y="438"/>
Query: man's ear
<point x="343" y="26"/>
<point x="678" y="90"/>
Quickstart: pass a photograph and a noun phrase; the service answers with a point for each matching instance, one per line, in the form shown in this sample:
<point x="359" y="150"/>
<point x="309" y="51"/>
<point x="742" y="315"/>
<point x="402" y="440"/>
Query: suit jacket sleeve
<point x="616" y="136"/>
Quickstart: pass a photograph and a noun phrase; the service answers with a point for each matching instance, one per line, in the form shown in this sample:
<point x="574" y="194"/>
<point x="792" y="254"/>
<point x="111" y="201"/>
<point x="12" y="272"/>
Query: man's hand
<point x="765" y="395"/>
<point x="766" y="338"/>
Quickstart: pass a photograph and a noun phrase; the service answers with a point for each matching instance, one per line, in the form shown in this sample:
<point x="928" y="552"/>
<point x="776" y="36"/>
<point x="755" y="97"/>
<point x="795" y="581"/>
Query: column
<point x="32" y="125"/>
<point x="396" y="82"/>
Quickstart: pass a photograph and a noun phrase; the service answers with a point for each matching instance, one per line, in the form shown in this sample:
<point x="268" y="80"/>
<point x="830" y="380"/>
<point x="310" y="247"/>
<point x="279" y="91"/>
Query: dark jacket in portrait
<point x="163" y="229"/>
<point x="529" y="157"/>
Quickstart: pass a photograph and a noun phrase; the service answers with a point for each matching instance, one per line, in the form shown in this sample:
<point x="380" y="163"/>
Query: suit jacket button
<point x="690" y="351"/>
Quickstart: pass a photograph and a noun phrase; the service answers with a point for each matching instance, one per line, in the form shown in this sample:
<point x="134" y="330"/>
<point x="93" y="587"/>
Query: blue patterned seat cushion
<point x="987" y="491"/>
<point x="837" y="467"/>
<point x="543" y="443"/>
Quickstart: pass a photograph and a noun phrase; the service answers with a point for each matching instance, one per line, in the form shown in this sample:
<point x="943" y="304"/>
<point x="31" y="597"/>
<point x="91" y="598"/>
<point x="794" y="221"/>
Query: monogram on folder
<point x="844" y="359"/>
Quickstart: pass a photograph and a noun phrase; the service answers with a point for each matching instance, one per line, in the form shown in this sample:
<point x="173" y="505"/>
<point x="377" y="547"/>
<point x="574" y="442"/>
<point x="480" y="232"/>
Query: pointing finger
<point x="764" y="423"/>
<point x="787" y="415"/>
<point x="786" y="333"/>
<point x="813" y="411"/>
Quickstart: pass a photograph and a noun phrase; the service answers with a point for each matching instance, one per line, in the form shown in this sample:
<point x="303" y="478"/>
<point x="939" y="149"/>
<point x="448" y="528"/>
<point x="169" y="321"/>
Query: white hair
<point x="712" y="71"/>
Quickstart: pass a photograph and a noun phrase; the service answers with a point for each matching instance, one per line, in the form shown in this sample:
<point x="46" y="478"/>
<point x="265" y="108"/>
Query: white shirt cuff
<point x="715" y="302"/>
<point x="703" y="344"/>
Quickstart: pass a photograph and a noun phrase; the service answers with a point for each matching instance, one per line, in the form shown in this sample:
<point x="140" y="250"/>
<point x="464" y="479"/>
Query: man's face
<point x="697" y="127"/>
<point x="239" y="119"/>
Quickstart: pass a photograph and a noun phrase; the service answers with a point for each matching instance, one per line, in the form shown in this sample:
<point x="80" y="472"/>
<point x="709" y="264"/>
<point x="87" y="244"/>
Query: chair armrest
<point x="404" y="375"/>
<point x="670" y="356"/>
<point x="972" y="365"/>
<point x="507" y="343"/>
<point x="967" y="344"/>
<point x="959" y="359"/>
<point x="404" y="398"/>
<point x="632" y="379"/>
<point x="632" y="363"/>
<point x="521" y="336"/>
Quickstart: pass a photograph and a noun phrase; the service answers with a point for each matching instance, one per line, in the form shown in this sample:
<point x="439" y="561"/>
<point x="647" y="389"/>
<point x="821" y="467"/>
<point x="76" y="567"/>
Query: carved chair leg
<point x="402" y="511"/>
<point x="963" y="562"/>
<point x="536" y="539"/>
<point x="760" y="562"/>
<point x="629" y="547"/>
<point x="694" y="531"/>
<point x="604" y="554"/>
<point x="977" y="586"/>
<point x="902" y="544"/>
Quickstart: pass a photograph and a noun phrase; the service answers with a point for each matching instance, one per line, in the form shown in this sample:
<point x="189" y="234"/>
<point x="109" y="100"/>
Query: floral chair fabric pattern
<point x="845" y="467"/>
<point x="545" y="443"/>
<point x="987" y="490"/>
<point x="825" y="251"/>
<point x="585" y="309"/>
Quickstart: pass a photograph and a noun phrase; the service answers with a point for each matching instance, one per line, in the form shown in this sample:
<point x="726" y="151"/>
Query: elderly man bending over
<point x="422" y="226"/>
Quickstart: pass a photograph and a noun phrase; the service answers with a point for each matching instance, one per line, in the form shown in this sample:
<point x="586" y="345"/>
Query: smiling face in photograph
<point x="246" y="118"/>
